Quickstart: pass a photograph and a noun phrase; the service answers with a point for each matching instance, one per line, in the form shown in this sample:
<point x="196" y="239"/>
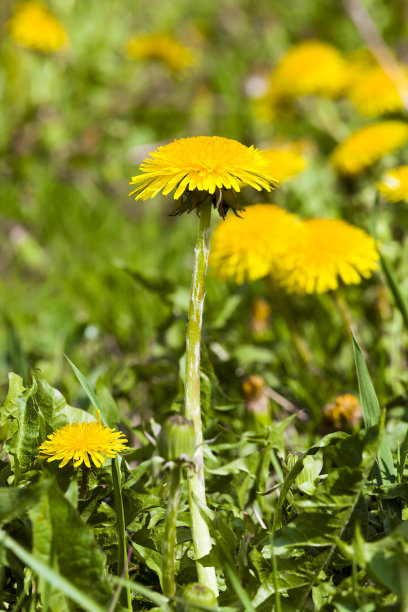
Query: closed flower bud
<point x="195" y="593"/>
<point x="176" y="438"/>
<point x="306" y="479"/>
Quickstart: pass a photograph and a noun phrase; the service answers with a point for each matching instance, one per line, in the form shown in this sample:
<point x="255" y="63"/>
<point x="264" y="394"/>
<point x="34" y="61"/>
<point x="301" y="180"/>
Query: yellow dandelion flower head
<point x="311" y="67"/>
<point x="83" y="443"/>
<point x="203" y="163"/>
<point x="247" y="249"/>
<point x="287" y="161"/>
<point x="325" y="251"/>
<point x="394" y="184"/>
<point x="35" y="27"/>
<point x="377" y="92"/>
<point x="162" y="47"/>
<point x="368" y="145"/>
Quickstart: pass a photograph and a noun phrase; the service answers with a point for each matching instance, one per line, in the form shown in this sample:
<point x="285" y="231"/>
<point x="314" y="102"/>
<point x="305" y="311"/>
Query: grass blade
<point x="372" y="414"/>
<point x="156" y="598"/>
<point x="394" y="287"/>
<point x="385" y="472"/>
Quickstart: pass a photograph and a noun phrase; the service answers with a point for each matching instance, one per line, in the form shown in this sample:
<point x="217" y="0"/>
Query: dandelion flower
<point x="202" y="165"/>
<point x="325" y="251"/>
<point x="161" y="47"/>
<point x="394" y="184"/>
<point x="376" y="92"/>
<point x="311" y="67"/>
<point x="286" y="162"/>
<point x="368" y="145"/>
<point x="247" y="249"/>
<point x="35" y="27"/>
<point x="83" y="443"/>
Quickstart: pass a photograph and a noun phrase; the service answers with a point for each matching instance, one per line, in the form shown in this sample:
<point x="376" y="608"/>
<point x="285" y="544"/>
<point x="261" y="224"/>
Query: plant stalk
<point x="84" y="482"/>
<point x="125" y="597"/>
<point x="169" y="542"/>
<point x="200" y="532"/>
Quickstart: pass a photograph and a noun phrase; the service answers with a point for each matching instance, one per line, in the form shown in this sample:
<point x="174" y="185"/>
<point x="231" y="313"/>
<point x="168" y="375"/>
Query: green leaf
<point x="14" y="502"/>
<point x="62" y="541"/>
<point x="372" y="415"/>
<point x="49" y="574"/>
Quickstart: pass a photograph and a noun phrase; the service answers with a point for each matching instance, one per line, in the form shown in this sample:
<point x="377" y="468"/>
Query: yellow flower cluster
<point x="394" y="184"/>
<point x="368" y="145"/>
<point x="161" y="47"/>
<point x="302" y="256"/>
<point x="34" y="27"/>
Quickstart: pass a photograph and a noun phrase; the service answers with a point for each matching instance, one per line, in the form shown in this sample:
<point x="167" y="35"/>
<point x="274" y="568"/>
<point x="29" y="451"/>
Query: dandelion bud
<point x="195" y="593"/>
<point x="176" y="438"/>
<point x="306" y="479"/>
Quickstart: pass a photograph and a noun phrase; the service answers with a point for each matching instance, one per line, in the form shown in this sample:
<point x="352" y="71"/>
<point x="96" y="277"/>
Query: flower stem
<point x="196" y="485"/>
<point x="122" y="571"/>
<point x="169" y="541"/>
<point x="84" y="482"/>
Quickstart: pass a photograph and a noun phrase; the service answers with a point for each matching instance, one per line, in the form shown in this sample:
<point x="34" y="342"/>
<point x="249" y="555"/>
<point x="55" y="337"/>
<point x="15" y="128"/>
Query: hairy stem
<point x="200" y="531"/>
<point x="169" y="542"/>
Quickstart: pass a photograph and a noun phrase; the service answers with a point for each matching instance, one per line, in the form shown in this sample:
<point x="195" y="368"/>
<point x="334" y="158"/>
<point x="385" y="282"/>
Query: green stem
<point x="84" y="482"/>
<point x="196" y="485"/>
<point x="169" y="542"/>
<point x="122" y="570"/>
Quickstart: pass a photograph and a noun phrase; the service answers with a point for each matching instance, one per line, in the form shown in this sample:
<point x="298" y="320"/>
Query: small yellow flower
<point x="286" y="162"/>
<point x="368" y="145"/>
<point x="324" y="251"/>
<point x="394" y="184"/>
<point x="377" y="92"/>
<point x="33" y="26"/>
<point x="83" y="442"/>
<point x="161" y="47"/>
<point x="311" y="67"/>
<point x="202" y="164"/>
<point x="250" y="248"/>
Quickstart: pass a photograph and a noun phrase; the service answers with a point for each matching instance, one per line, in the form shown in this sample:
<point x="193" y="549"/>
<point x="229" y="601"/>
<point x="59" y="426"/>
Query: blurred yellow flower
<point x="311" y="67"/>
<point x="83" y="442"/>
<point x="375" y="92"/>
<point x="250" y="248"/>
<point x="324" y="251"/>
<point x="204" y="164"/>
<point x="394" y="184"/>
<point x="161" y="47"/>
<point x="367" y="145"/>
<point x="286" y="162"/>
<point x="34" y="27"/>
